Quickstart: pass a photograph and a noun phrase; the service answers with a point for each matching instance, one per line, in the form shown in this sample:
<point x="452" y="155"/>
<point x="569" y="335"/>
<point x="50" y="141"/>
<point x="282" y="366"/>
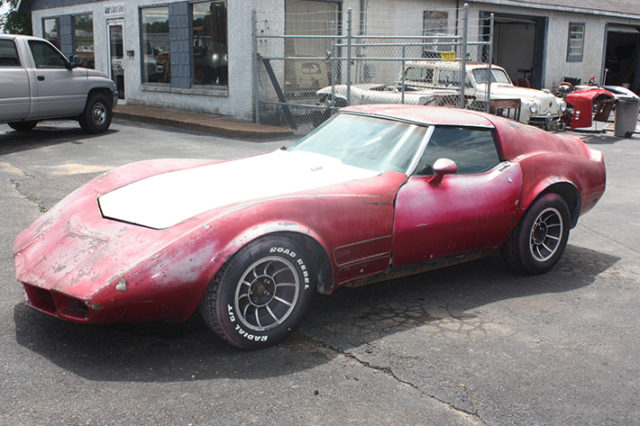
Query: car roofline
<point x="417" y="123"/>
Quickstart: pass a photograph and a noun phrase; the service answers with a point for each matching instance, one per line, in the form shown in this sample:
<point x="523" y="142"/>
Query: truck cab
<point x="37" y="82"/>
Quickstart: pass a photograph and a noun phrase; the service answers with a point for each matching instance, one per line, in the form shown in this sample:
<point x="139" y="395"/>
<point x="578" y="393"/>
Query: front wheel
<point x="22" y="126"/>
<point x="97" y="114"/>
<point x="539" y="239"/>
<point x="261" y="295"/>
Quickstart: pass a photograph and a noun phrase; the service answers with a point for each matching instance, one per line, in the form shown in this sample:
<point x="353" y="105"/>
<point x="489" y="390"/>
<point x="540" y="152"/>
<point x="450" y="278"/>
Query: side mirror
<point x="74" y="61"/>
<point x="443" y="166"/>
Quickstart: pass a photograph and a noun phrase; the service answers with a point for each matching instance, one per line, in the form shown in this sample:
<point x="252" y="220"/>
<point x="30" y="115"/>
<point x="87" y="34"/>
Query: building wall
<point x="236" y="100"/>
<point x="383" y="17"/>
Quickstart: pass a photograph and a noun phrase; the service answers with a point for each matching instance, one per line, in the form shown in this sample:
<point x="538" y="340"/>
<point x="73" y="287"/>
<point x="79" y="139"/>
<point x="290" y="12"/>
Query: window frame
<point x="194" y="83"/>
<point x="143" y="45"/>
<point x="492" y="132"/>
<point x="571" y="42"/>
<point x="44" y="33"/>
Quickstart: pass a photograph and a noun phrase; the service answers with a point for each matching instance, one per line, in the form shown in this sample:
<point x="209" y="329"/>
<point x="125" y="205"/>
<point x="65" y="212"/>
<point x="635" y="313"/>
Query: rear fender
<point x="558" y="185"/>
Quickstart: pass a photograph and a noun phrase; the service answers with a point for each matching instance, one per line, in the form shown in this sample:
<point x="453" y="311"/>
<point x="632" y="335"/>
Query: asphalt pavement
<point x="471" y="344"/>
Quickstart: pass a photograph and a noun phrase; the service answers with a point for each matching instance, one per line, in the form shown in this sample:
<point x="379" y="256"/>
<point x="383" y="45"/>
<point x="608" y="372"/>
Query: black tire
<point x="538" y="241"/>
<point x="97" y="114"/>
<point x="22" y="126"/>
<point x="261" y="294"/>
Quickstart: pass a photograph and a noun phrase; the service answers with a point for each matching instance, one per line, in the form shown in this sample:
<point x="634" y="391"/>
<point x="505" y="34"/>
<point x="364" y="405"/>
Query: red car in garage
<point x="374" y="193"/>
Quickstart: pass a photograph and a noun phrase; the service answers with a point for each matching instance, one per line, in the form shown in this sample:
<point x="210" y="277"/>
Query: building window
<point x="156" y="59"/>
<point x="575" y="42"/>
<point x="83" y="40"/>
<point x="435" y="24"/>
<point x="51" y="31"/>
<point x="210" y="63"/>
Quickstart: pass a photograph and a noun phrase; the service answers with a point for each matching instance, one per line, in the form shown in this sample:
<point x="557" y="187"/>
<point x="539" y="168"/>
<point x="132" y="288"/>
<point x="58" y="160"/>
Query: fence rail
<point x="301" y="79"/>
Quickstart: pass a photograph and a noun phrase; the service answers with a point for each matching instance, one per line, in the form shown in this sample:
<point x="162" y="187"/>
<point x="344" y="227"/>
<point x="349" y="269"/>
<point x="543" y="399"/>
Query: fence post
<point x="463" y="62"/>
<point x="349" y="35"/>
<point x="403" y="67"/>
<point x="334" y="65"/>
<point x="256" y="64"/>
<point x="490" y="60"/>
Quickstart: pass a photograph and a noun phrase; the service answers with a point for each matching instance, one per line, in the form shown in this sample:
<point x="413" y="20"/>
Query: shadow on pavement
<point x="164" y="352"/>
<point x="44" y="135"/>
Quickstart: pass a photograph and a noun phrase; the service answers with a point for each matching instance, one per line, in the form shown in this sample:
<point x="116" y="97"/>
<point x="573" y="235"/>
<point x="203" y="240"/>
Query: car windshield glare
<point x="366" y="142"/>
<point x="498" y="75"/>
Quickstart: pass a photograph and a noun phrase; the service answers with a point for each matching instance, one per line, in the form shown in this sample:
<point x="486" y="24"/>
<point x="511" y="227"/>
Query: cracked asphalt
<point x="471" y="344"/>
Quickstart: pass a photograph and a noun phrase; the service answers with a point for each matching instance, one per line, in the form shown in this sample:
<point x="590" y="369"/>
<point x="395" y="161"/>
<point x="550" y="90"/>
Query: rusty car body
<point x="376" y="192"/>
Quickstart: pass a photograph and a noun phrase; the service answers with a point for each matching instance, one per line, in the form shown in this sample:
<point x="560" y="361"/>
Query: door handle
<point x="40" y="78"/>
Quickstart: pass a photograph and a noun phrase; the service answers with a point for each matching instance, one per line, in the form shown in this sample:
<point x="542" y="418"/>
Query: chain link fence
<point x="322" y="62"/>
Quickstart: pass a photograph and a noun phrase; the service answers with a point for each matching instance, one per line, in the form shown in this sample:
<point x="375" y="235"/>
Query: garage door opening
<point x="622" y="57"/>
<point x="518" y="46"/>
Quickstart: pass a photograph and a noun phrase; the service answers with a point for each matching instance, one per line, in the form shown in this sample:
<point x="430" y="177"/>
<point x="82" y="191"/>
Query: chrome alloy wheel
<point x="546" y="234"/>
<point x="267" y="293"/>
<point x="99" y="113"/>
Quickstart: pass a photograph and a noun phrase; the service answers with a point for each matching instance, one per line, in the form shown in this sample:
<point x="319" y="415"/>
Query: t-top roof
<point x="426" y="114"/>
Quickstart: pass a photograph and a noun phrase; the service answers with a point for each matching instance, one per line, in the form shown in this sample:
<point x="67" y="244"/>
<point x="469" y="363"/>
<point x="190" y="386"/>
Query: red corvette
<point x="375" y="193"/>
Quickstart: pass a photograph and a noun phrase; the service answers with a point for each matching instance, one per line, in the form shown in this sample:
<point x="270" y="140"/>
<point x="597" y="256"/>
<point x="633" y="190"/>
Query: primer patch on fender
<point x="167" y="199"/>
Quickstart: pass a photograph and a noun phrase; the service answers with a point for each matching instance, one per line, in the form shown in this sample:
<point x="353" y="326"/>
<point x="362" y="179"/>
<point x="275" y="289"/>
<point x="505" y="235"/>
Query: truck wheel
<point x="96" y="117"/>
<point x="261" y="294"/>
<point x="22" y="126"/>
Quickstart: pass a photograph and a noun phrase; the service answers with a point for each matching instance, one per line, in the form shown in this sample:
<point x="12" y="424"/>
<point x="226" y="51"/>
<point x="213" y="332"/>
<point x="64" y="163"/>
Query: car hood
<point x="164" y="200"/>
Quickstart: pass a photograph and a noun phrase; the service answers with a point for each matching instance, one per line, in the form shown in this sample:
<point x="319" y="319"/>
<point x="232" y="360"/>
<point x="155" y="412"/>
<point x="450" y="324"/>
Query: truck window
<point x="46" y="56"/>
<point x="419" y="74"/>
<point x="8" y="54"/>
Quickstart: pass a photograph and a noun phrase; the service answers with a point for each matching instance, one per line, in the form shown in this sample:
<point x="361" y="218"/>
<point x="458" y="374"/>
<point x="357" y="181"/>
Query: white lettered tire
<point x="261" y="294"/>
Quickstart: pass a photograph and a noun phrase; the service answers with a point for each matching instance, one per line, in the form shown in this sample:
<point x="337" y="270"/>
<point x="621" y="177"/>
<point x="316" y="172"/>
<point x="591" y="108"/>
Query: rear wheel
<point x="539" y="239"/>
<point x="261" y="295"/>
<point x="96" y="117"/>
<point x="22" y="126"/>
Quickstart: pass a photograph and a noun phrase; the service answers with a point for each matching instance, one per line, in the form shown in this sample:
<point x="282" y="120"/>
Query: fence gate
<point x="301" y="79"/>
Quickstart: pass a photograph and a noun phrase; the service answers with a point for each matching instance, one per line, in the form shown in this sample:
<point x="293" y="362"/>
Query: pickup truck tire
<point x="22" y="126"/>
<point x="96" y="117"/>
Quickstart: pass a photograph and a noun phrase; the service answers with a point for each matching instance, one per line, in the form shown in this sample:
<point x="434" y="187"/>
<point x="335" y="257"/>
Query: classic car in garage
<point x="376" y="192"/>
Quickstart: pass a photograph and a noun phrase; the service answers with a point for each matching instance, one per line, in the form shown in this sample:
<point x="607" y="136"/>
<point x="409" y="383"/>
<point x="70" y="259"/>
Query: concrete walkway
<point x="217" y="124"/>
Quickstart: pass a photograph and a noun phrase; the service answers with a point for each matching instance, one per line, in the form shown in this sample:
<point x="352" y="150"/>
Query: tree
<point x="15" y="22"/>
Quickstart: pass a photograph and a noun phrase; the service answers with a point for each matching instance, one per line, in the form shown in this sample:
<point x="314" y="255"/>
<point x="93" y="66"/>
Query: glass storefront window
<point x="51" y="32"/>
<point x="83" y="40"/>
<point x="156" y="59"/>
<point x="210" y="62"/>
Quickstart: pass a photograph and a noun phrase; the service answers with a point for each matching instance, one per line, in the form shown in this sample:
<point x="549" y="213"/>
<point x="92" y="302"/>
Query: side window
<point x="473" y="150"/>
<point x="419" y="74"/>
<point x="46" y="56"/>
<point x="8" y="54"/>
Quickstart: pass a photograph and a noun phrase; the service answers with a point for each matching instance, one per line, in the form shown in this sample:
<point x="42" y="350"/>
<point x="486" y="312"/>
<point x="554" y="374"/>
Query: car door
<point x="14" y="83"/>
<point x="473" y="209"/>
<point x="58" y="90"/>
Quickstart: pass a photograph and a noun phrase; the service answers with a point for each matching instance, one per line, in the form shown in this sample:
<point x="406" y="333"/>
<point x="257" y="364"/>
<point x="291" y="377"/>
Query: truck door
<point x="14" y="83"/>
<point x="58" y="90"/>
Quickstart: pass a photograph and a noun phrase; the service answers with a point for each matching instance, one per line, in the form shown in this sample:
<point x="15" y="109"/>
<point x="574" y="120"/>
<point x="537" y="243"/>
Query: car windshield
<point x="498" y="75"/>
<point x="367" y="142"/>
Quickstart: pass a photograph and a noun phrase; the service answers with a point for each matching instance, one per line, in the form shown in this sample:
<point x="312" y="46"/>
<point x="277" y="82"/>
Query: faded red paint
<point x="125" y="273"/>
<point x="583" y="102"/>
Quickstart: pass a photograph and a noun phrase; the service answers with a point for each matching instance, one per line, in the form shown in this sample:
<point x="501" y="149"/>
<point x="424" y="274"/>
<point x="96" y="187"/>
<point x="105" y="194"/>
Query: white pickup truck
<point x="38" y="83"/>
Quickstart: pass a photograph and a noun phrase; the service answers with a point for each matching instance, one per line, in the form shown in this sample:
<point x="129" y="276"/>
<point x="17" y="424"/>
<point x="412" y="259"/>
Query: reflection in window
<point x="210" y="43"/>
<point x="83" y="40"/>
<point x="51" y="32"/>
<point x="46" y="56"/>
<point x="419" y="74"/>
<point x="156" y="59"/>
<point x="473" y="150"/>
<point x="8" y="54"/>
